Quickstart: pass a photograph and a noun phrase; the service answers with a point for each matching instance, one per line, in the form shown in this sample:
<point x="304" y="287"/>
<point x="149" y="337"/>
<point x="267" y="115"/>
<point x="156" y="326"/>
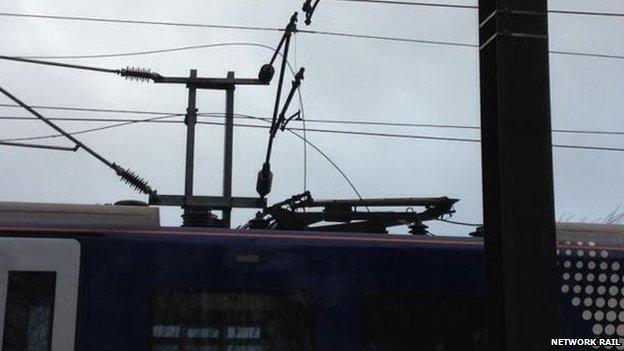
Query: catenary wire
<point x="121" y="124"/>
<point x="409" y="3"/>
<point x="360" y="133"/>
<point x="473" y="7"/>
<point x="124" y="21"/>
<point x="324" y="155"/>
<point x="305" y="140"/>
<point x="586" y="13"/>
<point x="59" y="64"/>
<point x="202" y="46"/>
<point x="147" y="52"/>
<point x="291" y="69"/>
<point x="261" y="28"/>
<point x="87" y="109"/>
<point x="303" y="119"/>
<point x="321" y="121"/>
<point x="327" y="33"/>
<point x="587" y="54"/>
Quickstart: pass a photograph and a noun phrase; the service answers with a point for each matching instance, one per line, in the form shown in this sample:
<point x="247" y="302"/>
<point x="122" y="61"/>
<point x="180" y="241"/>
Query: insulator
<point x="418" y="229"/>
<point x="478" y="233"/>
<point x="134" y="180"/>
<point x="258" y="223"/>
<point x="265" y="178"/>
<point x="266" y="73"/>
<point x="200" y="217"/>
<point x="307" y="7"/>
<point x="139" y="74"/>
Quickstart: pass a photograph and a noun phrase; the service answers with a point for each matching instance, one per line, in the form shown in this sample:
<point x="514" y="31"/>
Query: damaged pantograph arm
<point x="345" y="215"/>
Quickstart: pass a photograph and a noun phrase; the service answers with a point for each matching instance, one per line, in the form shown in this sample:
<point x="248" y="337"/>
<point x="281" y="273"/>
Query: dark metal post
<point x="197" y="209"/>
<point x="228" y="148"/>
<point x="517" y="175"/>
<point x="190" y="121"/>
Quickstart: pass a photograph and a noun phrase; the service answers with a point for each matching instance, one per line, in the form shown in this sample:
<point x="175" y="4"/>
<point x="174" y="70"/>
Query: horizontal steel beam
<point x="211" y="83"/>
<point x="215" y="202"/>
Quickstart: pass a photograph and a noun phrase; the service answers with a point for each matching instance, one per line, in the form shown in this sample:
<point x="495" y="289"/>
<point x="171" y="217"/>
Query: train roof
<point x="131" y="221"/>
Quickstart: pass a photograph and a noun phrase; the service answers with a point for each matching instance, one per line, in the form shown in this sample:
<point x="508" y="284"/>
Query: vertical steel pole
<point x="228" y="148"/>
<point x="190" y="121"/>
<point x="517" y="176"/>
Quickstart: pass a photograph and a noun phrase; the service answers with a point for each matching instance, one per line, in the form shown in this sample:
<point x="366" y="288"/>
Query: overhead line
<point x="158" y="23"/>
<point x="571" y="53"/>
<point x="160" y="119"/>
<point x="195" y="47"/>
<point x="85" y="109"/>
<point x="146" y="52"/>
<point x="473" y="7"/>
<point x="123" y="123"/>
<point x="588" y="147"/>
<point x="425" y="4"/>
<point x="376" y="37"/>
<point x="93" y="120"/>
<point x="277" y="29"/>
<point x="388" y="135"/>
<point x="586" y="13"/>
<point x="328" y="33"/>
<point x="252" y="44"/>
<point x="450" y="126"/>
<point x="59" y="64"/>
<point x="322" y="121"/>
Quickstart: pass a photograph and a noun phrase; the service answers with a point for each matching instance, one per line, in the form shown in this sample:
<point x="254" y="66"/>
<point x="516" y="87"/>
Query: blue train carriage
<point x="592" y="281"/>
<point x="110" y="278"/>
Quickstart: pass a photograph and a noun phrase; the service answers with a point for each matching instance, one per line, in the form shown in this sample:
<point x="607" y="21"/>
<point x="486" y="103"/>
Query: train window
<point x="29" y="310"/>
<point x="201" y="320"/>
<point x="426" y="322"/>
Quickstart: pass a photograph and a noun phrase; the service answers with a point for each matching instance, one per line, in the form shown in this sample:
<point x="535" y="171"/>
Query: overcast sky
<point x="346" y="79"/>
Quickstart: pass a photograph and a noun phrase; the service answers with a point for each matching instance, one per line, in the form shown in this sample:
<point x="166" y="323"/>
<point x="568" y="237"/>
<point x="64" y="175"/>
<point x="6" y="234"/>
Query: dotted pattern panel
<point x="593" y="284"/>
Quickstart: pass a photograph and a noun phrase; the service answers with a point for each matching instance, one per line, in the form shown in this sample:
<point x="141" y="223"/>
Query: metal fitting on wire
<point x="140" y="74"/>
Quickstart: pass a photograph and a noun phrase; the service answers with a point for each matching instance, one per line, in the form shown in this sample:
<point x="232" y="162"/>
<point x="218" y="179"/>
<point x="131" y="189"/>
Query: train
<point x="110" y="278"/>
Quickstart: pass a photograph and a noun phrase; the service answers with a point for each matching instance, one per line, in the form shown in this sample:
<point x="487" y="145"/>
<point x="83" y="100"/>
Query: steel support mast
<point x="520" y="240"/>
<point x="228" y="147"/>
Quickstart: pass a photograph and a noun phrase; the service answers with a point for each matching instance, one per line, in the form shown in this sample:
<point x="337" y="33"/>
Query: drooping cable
<point x="323" y="154"/>
<point x="303" y="125"/>
<point x="149" y="52"/>
<point x="459" y="223"/>
<point x="203" y="46"/>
